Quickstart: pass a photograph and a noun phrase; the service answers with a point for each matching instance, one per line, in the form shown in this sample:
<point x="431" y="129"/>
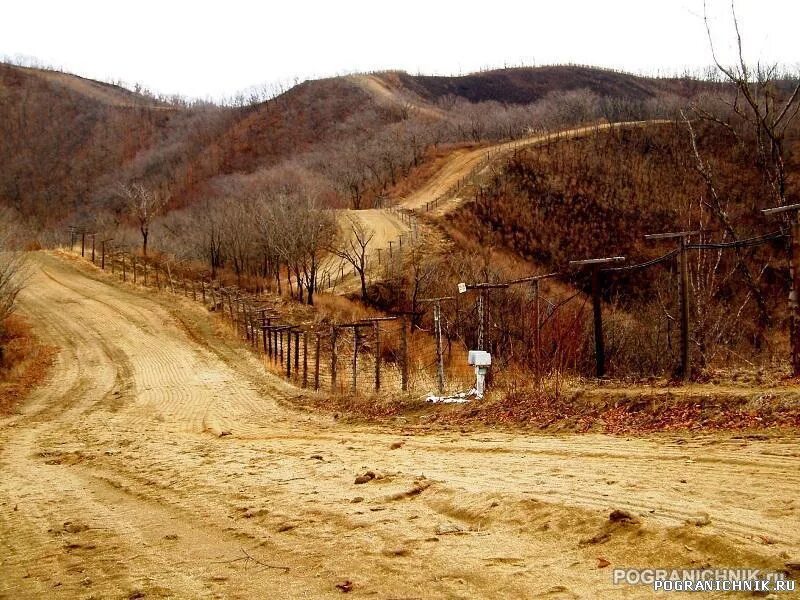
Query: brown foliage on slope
<point x="599" y="196"/>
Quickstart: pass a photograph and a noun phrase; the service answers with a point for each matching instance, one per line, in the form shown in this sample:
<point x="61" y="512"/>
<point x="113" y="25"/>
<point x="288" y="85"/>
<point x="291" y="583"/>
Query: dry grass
<point x="26" y="362"/>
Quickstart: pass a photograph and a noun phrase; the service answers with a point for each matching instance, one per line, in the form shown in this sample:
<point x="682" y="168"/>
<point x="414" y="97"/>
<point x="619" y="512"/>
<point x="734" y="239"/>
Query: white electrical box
<point x="479" y="358"/>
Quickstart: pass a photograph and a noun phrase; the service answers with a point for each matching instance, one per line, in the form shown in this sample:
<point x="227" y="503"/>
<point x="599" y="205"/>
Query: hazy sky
<point x="202" y="48"/>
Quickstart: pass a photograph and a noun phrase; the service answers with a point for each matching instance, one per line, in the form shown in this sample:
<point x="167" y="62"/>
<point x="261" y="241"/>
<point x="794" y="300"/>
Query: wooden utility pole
<point x="794" y="278"/>
<point x="599" y="343"/>
<point x="685" y="369"/>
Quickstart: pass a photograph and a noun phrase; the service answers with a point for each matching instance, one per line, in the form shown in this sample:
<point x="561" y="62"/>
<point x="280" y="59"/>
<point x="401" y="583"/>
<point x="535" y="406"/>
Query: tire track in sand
<point x="116" y="484"/>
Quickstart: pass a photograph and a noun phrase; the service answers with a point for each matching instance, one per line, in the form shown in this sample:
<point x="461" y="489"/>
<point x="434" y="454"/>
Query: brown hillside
<point x="66" y="142"/>
<point x="529" y="84"/>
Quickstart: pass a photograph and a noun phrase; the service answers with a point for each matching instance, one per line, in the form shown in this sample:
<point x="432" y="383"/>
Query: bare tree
<point x="352" y="247"/>
<point x="758" y="116"/>
<point x="12" y="267"/>
<point x="299" y="232"/>
<point x="144" y="204"/>
<point x="760" y="104"/>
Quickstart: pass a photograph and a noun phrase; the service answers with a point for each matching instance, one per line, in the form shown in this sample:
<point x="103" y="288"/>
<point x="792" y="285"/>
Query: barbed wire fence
<point x="537" y="327"/>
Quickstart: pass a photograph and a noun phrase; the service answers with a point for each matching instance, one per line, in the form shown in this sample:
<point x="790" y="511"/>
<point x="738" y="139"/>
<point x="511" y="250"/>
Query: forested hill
<point x="67" y="143"/>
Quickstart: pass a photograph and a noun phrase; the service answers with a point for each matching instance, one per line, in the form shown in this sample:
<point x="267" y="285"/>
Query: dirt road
<point x="118" y="483"/>
<point x="464" y="161"/>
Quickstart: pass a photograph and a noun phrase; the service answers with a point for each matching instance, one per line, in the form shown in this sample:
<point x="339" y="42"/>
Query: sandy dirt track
<point x="116" y="482"/>
<point x="464" y="161"/>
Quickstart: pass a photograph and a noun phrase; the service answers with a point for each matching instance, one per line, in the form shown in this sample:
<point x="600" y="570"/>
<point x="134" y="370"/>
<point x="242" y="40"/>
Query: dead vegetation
<point x="25" y="364"/>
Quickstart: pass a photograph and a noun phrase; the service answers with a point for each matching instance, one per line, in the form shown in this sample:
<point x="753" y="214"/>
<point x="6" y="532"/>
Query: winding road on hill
<point x="459" y="166"/>
<point x="160" y="460"/>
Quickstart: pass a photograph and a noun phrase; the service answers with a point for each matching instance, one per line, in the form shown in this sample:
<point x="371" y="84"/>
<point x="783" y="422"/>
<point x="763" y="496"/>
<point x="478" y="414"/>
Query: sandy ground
<point x="117" y="483"/>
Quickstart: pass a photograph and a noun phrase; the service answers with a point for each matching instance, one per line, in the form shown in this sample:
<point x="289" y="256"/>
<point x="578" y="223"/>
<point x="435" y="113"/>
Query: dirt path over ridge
<point x="386" y="224"/>
<point x="463" y="162"/>
<point x="116" y="482"/>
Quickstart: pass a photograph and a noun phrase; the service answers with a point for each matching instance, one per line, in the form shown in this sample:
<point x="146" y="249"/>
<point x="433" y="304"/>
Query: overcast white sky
<point x="203" y="49"/>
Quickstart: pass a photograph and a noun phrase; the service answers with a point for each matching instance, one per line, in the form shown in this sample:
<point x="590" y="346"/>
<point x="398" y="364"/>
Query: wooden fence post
<point x="377" y="329"/>
<point x="305" y="359"/>
<point x="437" y="320"/>
<point x="296" y="353"/>
<point x="334" y="336"/>
<point x="316" y="362"/>
<point x="404" y="353"/>
<point x="288" y="353"/>
<point x="355" y="358"/>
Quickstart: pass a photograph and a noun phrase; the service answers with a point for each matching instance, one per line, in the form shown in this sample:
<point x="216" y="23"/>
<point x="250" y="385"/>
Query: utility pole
<point x="683" y="267"/>
<point x="599" y="343"/>
<point x="794" y="278"/>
